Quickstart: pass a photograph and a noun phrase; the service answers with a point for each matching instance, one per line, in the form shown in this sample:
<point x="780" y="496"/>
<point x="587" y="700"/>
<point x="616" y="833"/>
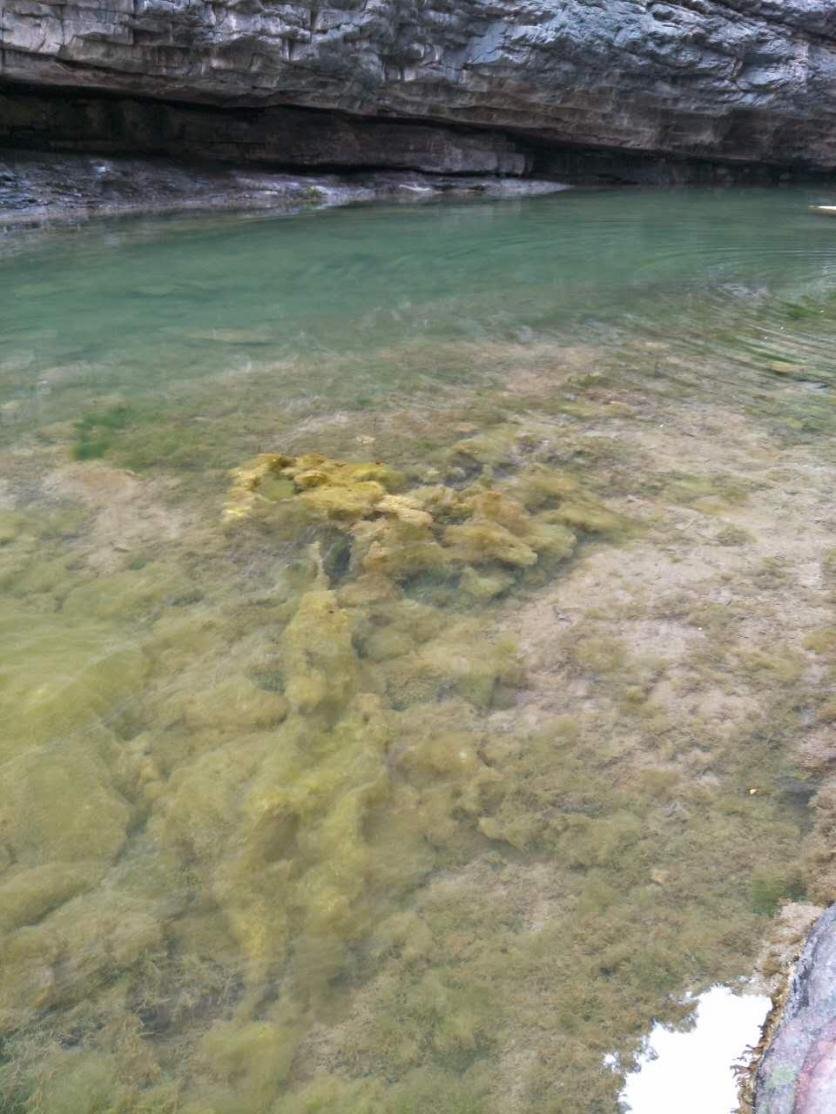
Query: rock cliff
<point x="738" y="81"/>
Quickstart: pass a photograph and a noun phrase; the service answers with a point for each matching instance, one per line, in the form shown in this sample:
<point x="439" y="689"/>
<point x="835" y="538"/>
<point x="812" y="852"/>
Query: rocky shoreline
<point x="38" y="187"/>
<point x="797" y="1072"/>
<point x="555" y="90"/>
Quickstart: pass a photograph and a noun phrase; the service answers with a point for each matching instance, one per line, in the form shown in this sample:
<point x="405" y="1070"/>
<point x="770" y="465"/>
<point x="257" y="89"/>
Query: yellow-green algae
<point x="334" y="868"/>
<point x="429" y="528"/>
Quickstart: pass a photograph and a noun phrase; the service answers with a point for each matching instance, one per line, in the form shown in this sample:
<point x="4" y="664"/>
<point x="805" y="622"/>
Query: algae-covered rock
<point x="482" y="588"/>
<point x="83" y="1083"/>
<point x="179" y="638"/>
<point x="245" y="1063"/>
<point x="57" y="673"/>
<point x="203" y="819"/>
<point x="500" y="529"/>
<point x="551" y="539"/>
<point x="538" y="487"/>
<point x="398" y="548"/>
<point x="498" y="507"/>
<point x="431" y="529"/>
<point x="28" y="893"/>
<point x="308" y="804"/>
<point x="321" y="669"/>
<point x="202" y="805"/>
<point x="457" y="662"/>
<point x="328" y="488"/>
<point x="59" y="804"/>
<point x="28" y="956"/>
<point x="274" y="824"/>
<point x="248" y="479"/>
<point x="440" y="755"/>
<point x="481" y="542"/>
<point x="385" y="643"/>
<point x="345" y="502"/>
<point x="331" y="1092"/>
<point x="233" y="704"/>
<point x="72" y="952"/>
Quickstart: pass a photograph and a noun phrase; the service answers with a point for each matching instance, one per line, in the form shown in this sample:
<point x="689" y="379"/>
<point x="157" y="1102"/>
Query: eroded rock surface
<point x="738" y="80"/>
<point x="798" y="1072"/>
<point x="38" y="186"/>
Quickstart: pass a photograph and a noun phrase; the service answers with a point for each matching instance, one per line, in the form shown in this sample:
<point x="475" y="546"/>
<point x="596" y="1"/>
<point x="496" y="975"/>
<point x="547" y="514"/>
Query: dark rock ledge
<point x="71" y="154"/>
<point x="38" y="187"/>
<point x="307" y="141"/>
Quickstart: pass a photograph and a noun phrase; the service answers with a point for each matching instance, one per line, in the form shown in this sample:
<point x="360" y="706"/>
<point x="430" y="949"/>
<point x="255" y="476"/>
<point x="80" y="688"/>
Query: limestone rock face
<point x="737" y="80"/>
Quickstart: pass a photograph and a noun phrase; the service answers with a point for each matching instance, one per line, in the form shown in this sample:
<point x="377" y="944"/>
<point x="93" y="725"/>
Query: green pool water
<point x="417" y="651"/>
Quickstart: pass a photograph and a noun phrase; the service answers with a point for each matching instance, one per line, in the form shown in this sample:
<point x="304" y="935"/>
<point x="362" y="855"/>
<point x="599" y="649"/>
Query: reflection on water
<point x="416" y="644"/>
<point x="692" y="1071"/>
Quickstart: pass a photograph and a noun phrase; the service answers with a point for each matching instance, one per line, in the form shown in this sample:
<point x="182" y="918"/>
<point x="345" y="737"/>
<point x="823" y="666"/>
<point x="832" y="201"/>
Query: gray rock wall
<point x="739" y="80"/>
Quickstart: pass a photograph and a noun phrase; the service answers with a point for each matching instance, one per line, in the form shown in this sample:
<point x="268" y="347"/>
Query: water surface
<point x="423" y="785"/>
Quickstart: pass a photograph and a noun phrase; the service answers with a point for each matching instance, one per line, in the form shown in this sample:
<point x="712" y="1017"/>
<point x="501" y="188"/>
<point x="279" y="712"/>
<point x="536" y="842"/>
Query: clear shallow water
<point x="145" y="303"/>
<point x="423" y="786"/>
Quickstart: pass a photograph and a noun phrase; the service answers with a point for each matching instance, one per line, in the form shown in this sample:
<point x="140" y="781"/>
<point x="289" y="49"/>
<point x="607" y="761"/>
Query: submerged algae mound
<point x="381" y="743"/>
<point x="64" y="821"/>
<point x="184" y="900"/>
<point x="400" y="532"/>
<point x="85" y="669"/>
<point x="330" y="488"/>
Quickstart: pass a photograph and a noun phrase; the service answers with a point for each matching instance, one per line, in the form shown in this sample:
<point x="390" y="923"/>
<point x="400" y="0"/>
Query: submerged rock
<point x="433" y="530"/>
<point x="798" y="1072"/>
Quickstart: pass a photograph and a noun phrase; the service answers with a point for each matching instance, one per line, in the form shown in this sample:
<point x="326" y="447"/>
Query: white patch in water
<point x="692" y="1072"/>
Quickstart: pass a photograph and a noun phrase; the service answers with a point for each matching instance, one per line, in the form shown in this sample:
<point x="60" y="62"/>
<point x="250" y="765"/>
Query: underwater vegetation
<point x="438" y="530"/>
<point x="95" y="432"/>
<point x="291" y="847"/>
<point x="201" y="837"/>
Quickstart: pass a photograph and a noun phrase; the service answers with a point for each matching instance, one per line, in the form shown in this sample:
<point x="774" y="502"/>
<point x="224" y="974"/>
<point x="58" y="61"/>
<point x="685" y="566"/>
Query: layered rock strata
<point x="742" y="81"/>
<point x="297" y="138"/>
<point x="36" y="187"/>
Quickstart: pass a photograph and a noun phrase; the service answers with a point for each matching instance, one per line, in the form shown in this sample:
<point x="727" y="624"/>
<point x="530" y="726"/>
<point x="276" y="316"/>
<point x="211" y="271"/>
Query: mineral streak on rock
<point x="798" y="1072"/>
<point x="745" y="81"/>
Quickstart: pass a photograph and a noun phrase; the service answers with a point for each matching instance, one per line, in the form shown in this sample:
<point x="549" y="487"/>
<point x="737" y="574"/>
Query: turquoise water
<point x="422" y="785"/>
<point x="145" y="302"/>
